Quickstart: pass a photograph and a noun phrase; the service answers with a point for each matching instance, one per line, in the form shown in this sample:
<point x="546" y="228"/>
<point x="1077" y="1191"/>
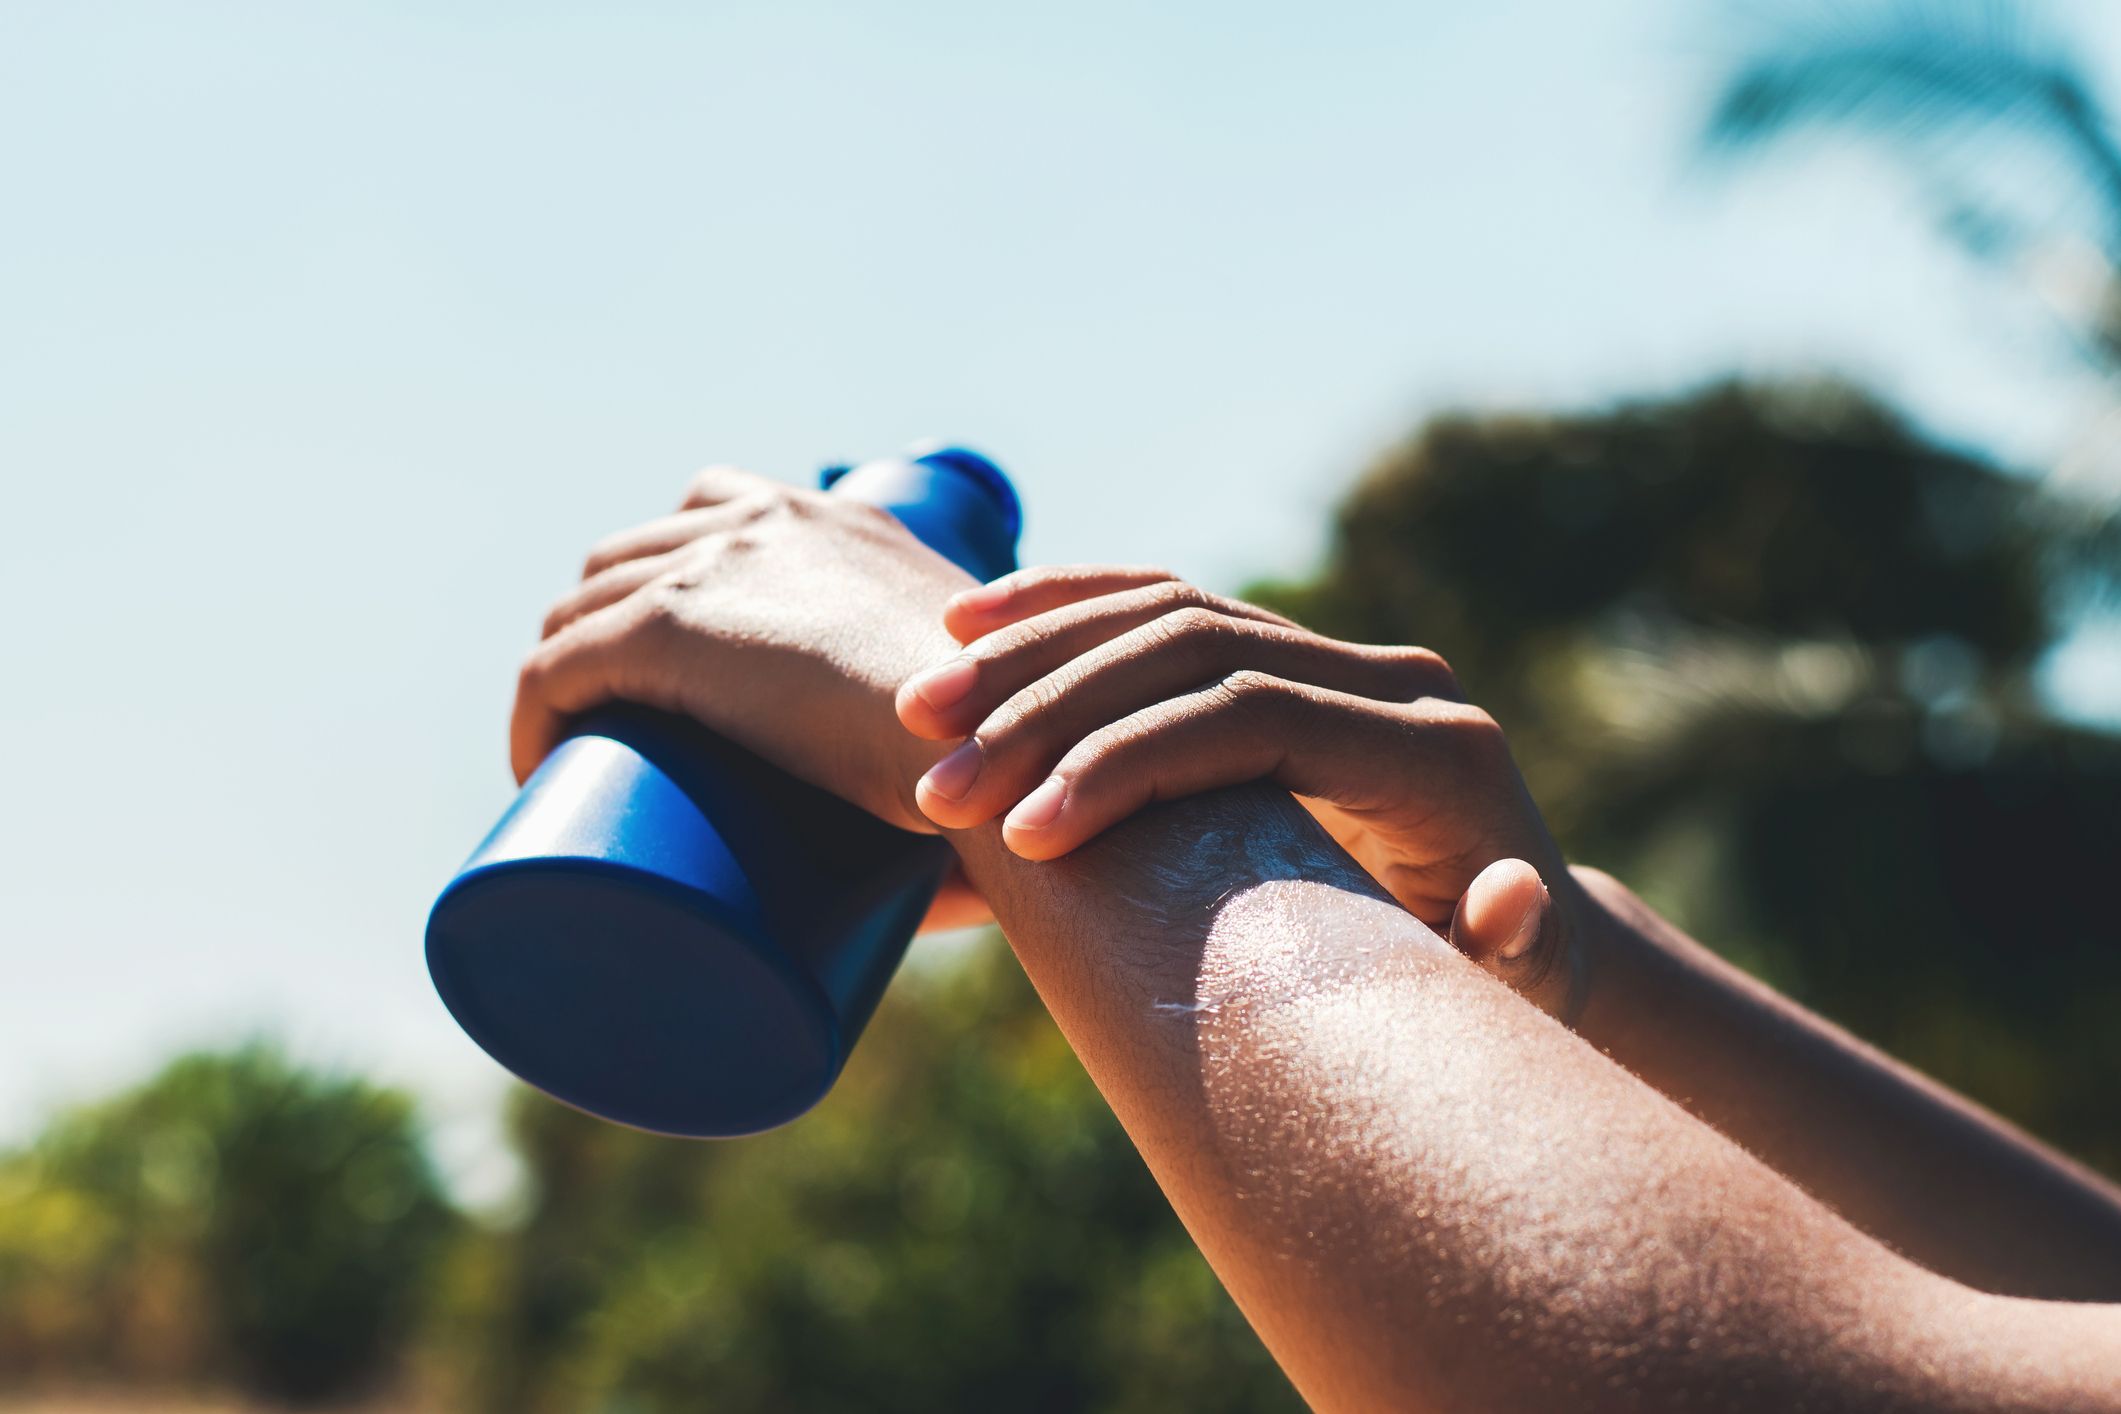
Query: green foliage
<point x="1798" y="512"/>
<point x="961" y="1225"/>
<point x="235" y="1220"/>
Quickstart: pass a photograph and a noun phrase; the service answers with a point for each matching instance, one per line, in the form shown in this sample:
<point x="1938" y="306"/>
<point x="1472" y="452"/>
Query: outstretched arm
<point x="1425" y="1194"/>
<point x="1088" y="680"/>
<point x="1924" y="1169"/>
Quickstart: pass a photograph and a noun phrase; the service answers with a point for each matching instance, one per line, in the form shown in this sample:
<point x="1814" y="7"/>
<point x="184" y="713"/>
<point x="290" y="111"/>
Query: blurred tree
<point x="235" y="1220"/>
<point x="1766" y="654"/>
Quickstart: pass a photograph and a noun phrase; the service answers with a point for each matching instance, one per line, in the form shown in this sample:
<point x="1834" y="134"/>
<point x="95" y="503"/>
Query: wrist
<point x="1576" y="923"/>
<point x="1612" y="934"/>
<point x="898" y="758"/>
<point x="907" y="763"/>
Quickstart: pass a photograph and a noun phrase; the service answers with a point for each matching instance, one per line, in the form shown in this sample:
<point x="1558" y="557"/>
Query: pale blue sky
<point x="332" y="333"/>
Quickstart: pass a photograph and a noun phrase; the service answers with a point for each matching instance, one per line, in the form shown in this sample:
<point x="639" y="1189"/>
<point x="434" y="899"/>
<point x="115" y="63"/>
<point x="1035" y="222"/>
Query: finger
<point x="1036" y="589"/>
<point x="576" y="669"/>
<point x="604" y="590"/>
<point x="1017" y="744"/>
<point x="1188" y="629"/>
<point x="1502" y="914"/>
<point x="1249" y="727"/>
<point x="672" y="532"/>
<point x="712" y="485"/>
<point x="1040" y="589"/>
<point x="1509" y="923"/>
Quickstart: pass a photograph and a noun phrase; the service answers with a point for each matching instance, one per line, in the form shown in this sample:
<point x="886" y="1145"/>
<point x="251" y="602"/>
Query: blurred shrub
<point x="961" y="1225"/>
<point x="236" y="1220"/>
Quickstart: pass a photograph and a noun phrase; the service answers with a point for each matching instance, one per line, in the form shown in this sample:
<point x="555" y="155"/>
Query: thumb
<point x="1501" y="916"/>
<point x="1509" y="924"/>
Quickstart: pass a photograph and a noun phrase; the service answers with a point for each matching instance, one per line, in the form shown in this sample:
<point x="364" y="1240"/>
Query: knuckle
<point x="658" y="606"/>
<point x="604" y="554"/>
<point x="761" y="502"/>
<point x="1032" y="715"/>
<point x="1109" y="746"/>
<point x="875" y="520"/>
<point x="1475" y="729"/>
<point x="1193" y="621"/>
<point x="705" y="484"/>
<point x="1436" y="664"/>
<point x="1004" y="644"/>
<point x="1174" y="594"/>
<point x="1038" y="702"/>
<point x="733" y="543"/>
<point x="1253" y="690"/>
<point x="532" y="675"/>
<point x="1192" y="629"/>
<point x="1423" y="671"/>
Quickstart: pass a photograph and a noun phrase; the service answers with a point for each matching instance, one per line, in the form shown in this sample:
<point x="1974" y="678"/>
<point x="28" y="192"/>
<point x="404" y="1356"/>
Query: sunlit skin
<point x="1423" y="1190"/>
<point x="1084" y="693"/>
<point x="1080" y="695"/>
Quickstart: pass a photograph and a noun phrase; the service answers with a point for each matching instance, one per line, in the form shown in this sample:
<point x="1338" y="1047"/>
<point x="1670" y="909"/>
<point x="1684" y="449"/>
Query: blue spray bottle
<point x="664" y="930"/>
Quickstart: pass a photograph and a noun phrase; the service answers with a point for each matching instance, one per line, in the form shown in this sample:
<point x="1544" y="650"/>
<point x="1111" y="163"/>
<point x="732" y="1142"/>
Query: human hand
<point x="1087" y="693"/>
<point x="779" y="617"/>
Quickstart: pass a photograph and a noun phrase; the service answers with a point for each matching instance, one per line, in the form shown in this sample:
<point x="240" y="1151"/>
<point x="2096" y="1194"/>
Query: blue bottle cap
<point x="990" y="479"/>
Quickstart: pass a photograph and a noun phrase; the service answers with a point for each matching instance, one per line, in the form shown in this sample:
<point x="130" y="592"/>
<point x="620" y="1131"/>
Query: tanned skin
<point x="1082" y="693"/>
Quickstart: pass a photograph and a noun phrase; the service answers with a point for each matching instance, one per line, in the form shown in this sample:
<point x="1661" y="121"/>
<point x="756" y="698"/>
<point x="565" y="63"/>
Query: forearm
<point x="1426" y="1194"/>
<point x="1923" y="1169"/>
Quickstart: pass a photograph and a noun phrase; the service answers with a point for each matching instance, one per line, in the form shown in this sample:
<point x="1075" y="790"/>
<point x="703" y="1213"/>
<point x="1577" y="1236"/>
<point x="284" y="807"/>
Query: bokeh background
<point x="1727" y="390"/>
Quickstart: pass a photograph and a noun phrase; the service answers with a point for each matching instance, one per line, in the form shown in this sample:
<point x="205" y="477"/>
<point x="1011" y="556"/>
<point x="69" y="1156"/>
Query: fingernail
<point x="1528" y="926"/>
<point x="947" y="685"/>
<point x="953" y="776"/>
<point x="982" y="599"/>
<point x="1040" y="808"/>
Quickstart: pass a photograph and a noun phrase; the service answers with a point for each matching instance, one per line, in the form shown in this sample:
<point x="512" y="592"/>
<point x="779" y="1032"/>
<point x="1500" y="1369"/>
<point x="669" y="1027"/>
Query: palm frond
<point x="1999" y="124"/>
<point x="1919" y="77"/>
